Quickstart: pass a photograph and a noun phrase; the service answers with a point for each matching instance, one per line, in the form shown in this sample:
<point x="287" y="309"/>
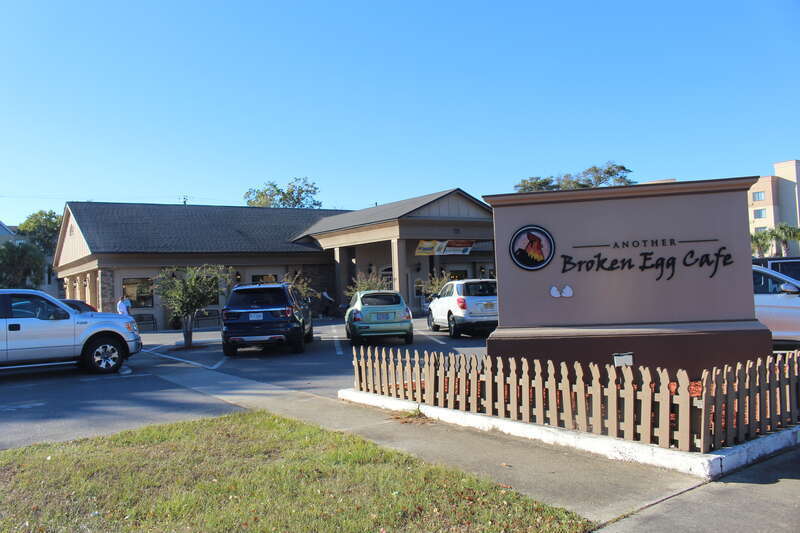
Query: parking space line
<point x="434" y="339"/>
<point x="338" y="345"/>
<point x="219" y="364"/>
<point x="193" y="363"/>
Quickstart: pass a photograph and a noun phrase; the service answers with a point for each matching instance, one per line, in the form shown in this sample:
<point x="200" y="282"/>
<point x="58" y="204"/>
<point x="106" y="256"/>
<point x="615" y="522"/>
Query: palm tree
<point x="783" y="233"/>
<point x="761" y="242"/>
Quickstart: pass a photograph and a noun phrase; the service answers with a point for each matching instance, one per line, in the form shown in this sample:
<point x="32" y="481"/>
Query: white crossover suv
<point x="777" y="300"/>
<point x="38" y="330"/>
<point x="464" y="306"/>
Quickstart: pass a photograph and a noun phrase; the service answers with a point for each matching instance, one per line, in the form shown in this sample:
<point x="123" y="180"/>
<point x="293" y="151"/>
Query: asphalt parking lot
<point x="66" y="403"/>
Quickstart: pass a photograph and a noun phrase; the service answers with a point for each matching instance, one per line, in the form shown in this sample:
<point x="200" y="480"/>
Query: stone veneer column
<point x="106" y="300"/>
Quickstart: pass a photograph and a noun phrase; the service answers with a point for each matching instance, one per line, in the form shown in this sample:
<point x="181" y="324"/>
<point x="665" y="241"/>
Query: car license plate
<point x="488" y="305"/>
<point x="384" y="316"/>
<point x="256" y="316"/>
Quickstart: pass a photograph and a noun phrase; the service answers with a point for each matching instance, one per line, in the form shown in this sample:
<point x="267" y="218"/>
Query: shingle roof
<point x="379" y="213"/>
<point x="169" y="228"/>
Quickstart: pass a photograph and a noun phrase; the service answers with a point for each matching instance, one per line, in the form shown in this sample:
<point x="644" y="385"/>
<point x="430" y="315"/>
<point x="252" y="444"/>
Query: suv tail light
<point x="289" y="312"/>
<point x="461" y="302"/>
<point x="407" y="316"/>
<point x="227" y="315"/>
<point x="357" y="316"/>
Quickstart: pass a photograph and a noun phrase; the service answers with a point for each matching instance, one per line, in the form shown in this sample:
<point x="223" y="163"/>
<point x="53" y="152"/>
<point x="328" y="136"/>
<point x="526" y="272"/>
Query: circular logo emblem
<point x="532" y="247"/>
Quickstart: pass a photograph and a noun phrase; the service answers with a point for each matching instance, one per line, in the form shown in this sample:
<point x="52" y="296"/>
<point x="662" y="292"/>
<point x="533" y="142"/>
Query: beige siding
<point x="74" y="246"/>
<point x="452" y="206"/>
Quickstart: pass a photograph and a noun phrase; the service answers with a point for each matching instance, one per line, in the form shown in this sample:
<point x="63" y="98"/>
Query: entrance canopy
<point x="408" y="240"/>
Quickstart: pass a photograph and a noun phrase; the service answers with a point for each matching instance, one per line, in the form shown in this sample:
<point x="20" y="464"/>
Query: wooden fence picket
<point x="392" y="377"/>
<point x="719" y="401"/>
<point x="502" y="389"/>
<point x="771" y="390"/>
<point x="793" y="393"/>
<point x="628" y="404"/>
<point x="612" y="399"/>
<point x="684" y="412"/>
<point x="783" y="389"/>
<point x="526" y="390"/>
<point x="538" y="392"/>
<point x="763" y="392"/>
<point x="646" y="398"/>
<point x="462" y="382"/>
<point x="580" y="398"/>
<point x="552" y="394"/>
<point x="730" y="410"/>
<point x="706" y="402"/>
<point x="488" y="381"/>
<point x="752" y="401"/>
<point x="513" y="383"/>
<point x="474" y="384"/>
<point x="741" y="402"/>
<point x="664" y="408"/>
<point x="566" y="397"/>
<point x="370" y="388"/>
<point x="597" y="399"/>
<point x="451" y="381"/>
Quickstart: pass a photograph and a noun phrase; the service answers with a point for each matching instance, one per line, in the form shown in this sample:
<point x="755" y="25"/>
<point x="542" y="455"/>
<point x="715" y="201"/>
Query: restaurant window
<point x="759" y="213"/>
<point x="139" y="291"/>
<point x="758" y="196"/>
<point x="264" y="278"/>
<point x="761" y="229"/>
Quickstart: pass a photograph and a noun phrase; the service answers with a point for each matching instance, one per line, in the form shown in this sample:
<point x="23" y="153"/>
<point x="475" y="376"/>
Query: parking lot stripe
<point x="193" y="363"/>
<point x="434" y="339"/>
<point x="338" y="345"/>
<point x="219" y="364"/>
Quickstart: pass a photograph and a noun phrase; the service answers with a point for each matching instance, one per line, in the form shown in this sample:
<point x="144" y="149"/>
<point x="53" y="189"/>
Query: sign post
<point x="660" y="272"/>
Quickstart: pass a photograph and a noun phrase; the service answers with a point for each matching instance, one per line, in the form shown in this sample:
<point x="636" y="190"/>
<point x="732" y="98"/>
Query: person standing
<point x="123" y="306"/>
<point x="327" y="302"/>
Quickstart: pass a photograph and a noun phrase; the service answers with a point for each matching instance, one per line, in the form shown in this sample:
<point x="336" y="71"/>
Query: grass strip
<point x="251" y="471"/>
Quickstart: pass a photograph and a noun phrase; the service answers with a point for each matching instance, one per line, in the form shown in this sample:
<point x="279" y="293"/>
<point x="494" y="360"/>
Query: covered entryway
<point x="447" y="232"/>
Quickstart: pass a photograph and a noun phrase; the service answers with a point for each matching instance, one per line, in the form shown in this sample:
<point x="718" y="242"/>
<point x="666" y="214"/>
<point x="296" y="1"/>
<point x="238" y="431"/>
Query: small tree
<point x="368" y="282"/>
<point x="302" y="284"/>
<point x="300" y="192"/>
<point x="434" y="283"/>
<point x="760" y="242"/>
<point x="21" y="266"/>
<point x="41" y="230"/>
<point x="783" y="233"/>
<point x="594" y="176"/>
<point x="186" y="290"/>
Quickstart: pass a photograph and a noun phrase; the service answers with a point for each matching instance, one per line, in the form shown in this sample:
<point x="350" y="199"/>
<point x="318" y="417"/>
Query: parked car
<point x="378" y="314"/>
<point x="464" y="306"/>
<point x="40" y="330"/>
<point x="265" y="314"/>
<point x="80" y="306"/>
<point x="777" y="300"/>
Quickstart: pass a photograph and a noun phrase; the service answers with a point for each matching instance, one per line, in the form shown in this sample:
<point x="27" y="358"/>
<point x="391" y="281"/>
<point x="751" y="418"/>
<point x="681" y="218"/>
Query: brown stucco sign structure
<point x="662" y="271"/>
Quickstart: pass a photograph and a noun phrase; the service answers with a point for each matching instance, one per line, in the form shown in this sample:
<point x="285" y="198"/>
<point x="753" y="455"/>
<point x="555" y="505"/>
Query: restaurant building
<point x="106" y="250"/>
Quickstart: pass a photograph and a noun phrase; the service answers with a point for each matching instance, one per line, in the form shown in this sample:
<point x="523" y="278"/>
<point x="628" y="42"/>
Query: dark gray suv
<point x="264" y="314"/>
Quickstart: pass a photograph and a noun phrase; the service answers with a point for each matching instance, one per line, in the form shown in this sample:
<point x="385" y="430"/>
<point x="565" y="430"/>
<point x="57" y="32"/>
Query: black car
<point x="80" y="306"/>
<point x="260" y="315"/>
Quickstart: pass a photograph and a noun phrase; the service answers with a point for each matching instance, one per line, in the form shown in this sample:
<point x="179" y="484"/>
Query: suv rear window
<point x="258" y="298"/>
<point x="482" y="288"/>
<point x="380" y="299"/>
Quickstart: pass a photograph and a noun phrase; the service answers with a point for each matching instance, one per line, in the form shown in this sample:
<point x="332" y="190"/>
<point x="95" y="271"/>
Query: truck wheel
<point x="229" y="349"/>
<point x="103" y="355"/>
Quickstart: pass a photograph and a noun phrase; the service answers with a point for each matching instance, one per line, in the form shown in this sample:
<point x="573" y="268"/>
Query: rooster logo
<point x="532" y="247"/>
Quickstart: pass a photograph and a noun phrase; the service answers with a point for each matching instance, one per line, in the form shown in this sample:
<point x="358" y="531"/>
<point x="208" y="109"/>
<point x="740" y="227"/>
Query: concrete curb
<point x="705" y="466"/>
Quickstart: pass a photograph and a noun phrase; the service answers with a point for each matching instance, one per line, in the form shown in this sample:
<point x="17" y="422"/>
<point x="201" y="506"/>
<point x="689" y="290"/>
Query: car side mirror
<point x="789" y="288"/>
<point x="432" y="297"/>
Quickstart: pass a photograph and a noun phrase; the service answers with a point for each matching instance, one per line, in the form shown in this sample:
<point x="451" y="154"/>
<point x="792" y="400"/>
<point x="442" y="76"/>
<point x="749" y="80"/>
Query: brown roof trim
<point x="630" y="191"/>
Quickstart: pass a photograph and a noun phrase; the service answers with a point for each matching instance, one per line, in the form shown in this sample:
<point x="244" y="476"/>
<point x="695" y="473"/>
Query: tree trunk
<point x="188" y="324"/>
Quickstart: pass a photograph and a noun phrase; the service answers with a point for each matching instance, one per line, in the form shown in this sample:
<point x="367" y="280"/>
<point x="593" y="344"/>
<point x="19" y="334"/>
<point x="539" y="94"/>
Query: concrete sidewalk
<point x="763" y="497"/>
<point x="596" y="488"/>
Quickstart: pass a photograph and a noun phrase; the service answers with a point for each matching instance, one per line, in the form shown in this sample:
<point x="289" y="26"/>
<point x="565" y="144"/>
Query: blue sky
<point x="378" y="101"/>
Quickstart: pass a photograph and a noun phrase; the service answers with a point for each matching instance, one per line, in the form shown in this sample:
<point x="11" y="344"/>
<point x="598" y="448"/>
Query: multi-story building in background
<point x="774" y="199"/>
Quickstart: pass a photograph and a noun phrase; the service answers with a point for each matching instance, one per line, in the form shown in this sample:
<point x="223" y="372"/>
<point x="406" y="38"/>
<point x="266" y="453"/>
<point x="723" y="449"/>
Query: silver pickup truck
<point x="38" y="330"/>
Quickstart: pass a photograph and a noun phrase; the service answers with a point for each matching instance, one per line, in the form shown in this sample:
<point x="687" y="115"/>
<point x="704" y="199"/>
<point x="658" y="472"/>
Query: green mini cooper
<point x="378" y="314"/>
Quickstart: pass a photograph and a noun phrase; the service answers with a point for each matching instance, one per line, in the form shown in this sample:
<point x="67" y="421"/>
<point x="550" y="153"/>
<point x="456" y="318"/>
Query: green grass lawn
<point x="251" y="472"/>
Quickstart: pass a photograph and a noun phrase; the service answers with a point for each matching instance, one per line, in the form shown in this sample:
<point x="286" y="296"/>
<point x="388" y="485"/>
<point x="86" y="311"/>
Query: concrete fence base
<point x="705" y="466"/>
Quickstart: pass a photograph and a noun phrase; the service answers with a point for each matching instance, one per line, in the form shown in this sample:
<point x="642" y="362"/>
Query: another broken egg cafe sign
<point x="532" y="248"/>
